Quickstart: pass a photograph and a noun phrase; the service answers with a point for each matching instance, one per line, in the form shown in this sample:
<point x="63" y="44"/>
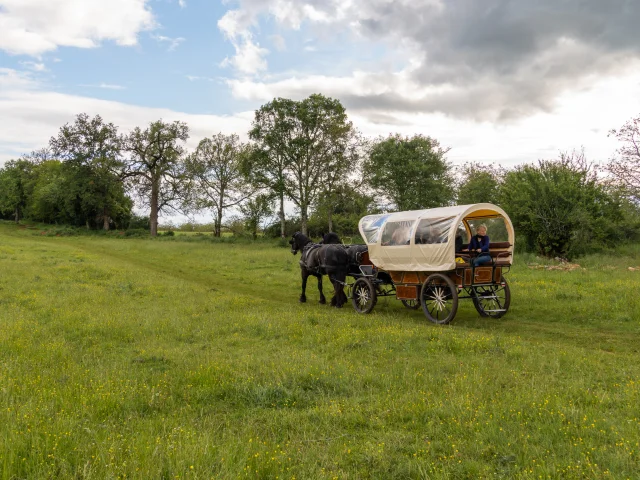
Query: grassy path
<point x="171" y="359"/>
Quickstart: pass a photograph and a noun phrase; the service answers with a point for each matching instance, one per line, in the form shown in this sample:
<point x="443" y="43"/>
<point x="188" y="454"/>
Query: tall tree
<point x="411" y="173"/>
<point x="343" y="175"/>
<point x="155" y="165"/>
<point x="92" y="149"/>
<point x="309" y="140"/>
<point x="479" y="184"/>
<point x="264" y="165"/>
<point x="345" y="206"/>
<point x="216" y="173"/>
<point x="626" y="168"/>
<point x="15" y="178"/>
<point x="255" y="210"/>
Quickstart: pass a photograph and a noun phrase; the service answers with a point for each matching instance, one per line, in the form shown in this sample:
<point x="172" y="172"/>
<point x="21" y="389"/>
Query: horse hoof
<point x="303" y="300"/>
<point x="323" y="301"/>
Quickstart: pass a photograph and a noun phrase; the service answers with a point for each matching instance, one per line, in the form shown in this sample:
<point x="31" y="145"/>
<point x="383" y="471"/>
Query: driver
<point x="480" y="245"/>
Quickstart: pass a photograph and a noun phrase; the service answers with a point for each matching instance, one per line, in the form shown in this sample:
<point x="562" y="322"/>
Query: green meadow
<point x="189" y="358"/>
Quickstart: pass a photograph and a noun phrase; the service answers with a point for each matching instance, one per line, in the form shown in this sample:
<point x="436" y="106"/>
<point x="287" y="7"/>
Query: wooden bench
<point x="499" y="252"/>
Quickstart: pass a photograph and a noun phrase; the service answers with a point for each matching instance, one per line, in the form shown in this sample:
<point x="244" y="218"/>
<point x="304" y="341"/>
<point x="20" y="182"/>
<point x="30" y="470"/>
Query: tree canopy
<point x="155" y="167"/>
<point x="303" y="144"/>
<point x="410" y="173"/>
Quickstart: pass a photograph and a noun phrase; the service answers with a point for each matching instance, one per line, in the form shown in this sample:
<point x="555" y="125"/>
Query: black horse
<point x="318" y="260"/>
<point x="330" y="238"/>
<point x="354" y="255"/>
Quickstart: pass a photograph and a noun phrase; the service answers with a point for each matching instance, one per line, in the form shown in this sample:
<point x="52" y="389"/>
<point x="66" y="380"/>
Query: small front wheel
<point x="439" y="298"/>
<point x="492" y="300"/>
<point x="363" y="295"/>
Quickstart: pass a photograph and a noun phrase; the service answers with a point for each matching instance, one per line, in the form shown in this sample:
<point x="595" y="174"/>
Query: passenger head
<point x="482" y="229"/>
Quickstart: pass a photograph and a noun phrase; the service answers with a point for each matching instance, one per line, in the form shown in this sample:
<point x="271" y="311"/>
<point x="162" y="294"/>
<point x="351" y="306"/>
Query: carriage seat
<point x="499" y="252"/>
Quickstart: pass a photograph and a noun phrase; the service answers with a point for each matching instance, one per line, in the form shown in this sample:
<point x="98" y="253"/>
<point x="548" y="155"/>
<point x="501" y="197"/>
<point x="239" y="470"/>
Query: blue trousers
<point x="481" y="259"/>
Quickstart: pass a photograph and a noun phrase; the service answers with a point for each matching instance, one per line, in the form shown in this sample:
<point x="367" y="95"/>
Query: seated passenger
<point x="400" y="236"/>
<point x="423" y="234"/>
<point x="436" y="235"/>
<point x="459" y="243"/>
<point x="479" y="244"/>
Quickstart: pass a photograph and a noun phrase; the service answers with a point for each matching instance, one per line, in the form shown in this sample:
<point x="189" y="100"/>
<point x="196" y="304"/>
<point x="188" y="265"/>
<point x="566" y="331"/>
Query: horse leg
<point x="305" y="275"/>
<point x="345" y="299"/>
<point x="323" y="300"/>
<point x="339" y="286"/>
<point x="334" y="299"/>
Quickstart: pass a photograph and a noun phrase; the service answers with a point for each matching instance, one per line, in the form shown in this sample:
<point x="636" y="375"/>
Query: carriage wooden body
<point x="425" y="265"/>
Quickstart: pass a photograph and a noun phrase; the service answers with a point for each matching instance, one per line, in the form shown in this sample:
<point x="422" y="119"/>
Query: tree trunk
<point x="218" y="226"/>
<point x="303" y="219"/>
<point x="153" y="216"/>
<point x="105" y="220"/>
<point x="283" y="221"/>
<point x="330" y="221"/>
<point x="17" y="215"/>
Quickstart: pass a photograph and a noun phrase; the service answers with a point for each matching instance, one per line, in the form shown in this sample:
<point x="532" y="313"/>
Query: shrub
<point x="561" y="209"/>
<point x="138" y="222"/>
<point x="136" y="232"/>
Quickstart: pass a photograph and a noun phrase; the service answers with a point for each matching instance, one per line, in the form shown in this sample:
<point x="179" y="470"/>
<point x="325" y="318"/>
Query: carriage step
<point x="367" y="270"/>
<point x="495" y="311"/>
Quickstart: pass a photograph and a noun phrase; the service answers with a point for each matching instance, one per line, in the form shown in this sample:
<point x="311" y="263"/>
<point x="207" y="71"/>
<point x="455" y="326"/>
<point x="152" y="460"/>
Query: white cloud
<point x="182" y="3"/>
<point x="35" y="66"/>
<point x="581" y="118"/>
<point x="33" y="27"/>
<point x="29" y="116"/>
<point x="278" y="42"/>
<point x="196" y="78"/>
<point x="173" y="42"/>
<point x="249" y="57"/>
<point x="12" y="79"/>
<point x="106" y="86"/>
<point x="478" y="60"/>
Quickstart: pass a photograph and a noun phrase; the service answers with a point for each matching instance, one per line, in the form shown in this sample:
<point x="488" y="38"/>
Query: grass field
<point x="134" y="358"/>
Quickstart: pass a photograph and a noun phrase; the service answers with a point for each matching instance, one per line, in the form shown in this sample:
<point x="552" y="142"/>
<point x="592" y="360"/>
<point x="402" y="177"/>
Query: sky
<point x="496" y="81"/>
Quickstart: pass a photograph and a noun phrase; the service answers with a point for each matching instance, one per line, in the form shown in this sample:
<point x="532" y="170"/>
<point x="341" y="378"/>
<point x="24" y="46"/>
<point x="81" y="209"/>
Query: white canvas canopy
<point x="424" y="240"/>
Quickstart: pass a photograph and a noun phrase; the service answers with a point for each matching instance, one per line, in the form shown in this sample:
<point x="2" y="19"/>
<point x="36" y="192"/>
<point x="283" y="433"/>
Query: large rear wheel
<point x="492" y="300"/>
<point x="363" y="295"/>
<point x="411" y="304"/>
<point x="439" y="298"/>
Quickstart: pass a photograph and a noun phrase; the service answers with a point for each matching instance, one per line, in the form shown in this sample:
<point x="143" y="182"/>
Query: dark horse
<point x="318" y="260"/>
<point x="330" y="238"/>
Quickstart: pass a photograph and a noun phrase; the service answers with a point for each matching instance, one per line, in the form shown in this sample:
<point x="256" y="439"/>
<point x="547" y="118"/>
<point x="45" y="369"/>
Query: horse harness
<point x="310" y="258"/>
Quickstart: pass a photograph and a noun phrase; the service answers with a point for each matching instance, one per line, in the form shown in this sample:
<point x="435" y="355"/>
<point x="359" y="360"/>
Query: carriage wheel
<point x="411" y="304"/>
<point x="363" y="296"/>
<point x="439" y="298"/>
<point x="492" y="300"/>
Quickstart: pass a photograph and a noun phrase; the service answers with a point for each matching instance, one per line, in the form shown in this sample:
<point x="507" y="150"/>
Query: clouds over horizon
<point x="500" y="80"/>
<point x="30" y="115"/>
<point x="496" y="60"/>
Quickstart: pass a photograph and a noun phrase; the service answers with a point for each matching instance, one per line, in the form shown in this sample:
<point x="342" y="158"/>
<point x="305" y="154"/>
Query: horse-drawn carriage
<point x="420" y="257"/>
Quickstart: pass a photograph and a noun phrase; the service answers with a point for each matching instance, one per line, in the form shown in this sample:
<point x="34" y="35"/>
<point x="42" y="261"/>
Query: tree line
<point x="309" y="153"/>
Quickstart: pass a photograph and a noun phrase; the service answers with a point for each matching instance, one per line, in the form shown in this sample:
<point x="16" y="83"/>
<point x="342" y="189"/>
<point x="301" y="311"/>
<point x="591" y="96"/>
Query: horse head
<point x="330" y="237"/>
<point x="297" y="242"/>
